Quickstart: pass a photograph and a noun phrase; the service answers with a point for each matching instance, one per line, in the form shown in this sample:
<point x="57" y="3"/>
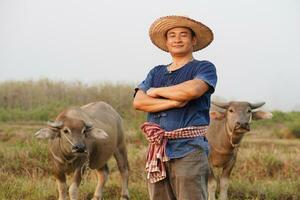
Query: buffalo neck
<point x="59" y="152"/>
<point x="220" y="142"/>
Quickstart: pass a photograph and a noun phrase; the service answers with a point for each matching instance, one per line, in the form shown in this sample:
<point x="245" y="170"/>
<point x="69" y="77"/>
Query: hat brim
<point x="161" y="26"/>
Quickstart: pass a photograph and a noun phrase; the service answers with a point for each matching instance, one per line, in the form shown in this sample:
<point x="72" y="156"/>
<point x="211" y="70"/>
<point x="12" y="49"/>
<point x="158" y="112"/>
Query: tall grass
<point x="42" y="100"/>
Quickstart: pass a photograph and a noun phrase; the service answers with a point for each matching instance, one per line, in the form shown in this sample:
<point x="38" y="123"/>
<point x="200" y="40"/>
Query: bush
<point x="282" y="125"/>
<point x="294" y="128"/>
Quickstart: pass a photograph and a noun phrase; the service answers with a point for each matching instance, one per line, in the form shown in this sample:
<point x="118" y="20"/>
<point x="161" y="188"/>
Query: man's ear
<point x="99" y="134"/>
<point x="45" y="133"/>
<point x="261" y="115"/>
<point x="216" y="115"/>
<point x="194" y="40"/>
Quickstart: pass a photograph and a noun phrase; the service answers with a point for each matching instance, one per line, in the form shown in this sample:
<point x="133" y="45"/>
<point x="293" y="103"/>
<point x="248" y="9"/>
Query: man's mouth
<point x="178" y="46"/>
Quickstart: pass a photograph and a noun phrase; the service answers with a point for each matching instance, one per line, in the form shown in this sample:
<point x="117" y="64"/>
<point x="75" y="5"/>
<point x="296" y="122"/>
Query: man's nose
<point x="177" y="38"/>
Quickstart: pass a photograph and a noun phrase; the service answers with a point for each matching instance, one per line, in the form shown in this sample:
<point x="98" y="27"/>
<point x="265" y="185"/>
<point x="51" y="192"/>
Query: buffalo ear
<point x="45" y="133"/>
<point x="216" y="115"/>
<point x="257" y="115"/>
<point x="99" y="134"/>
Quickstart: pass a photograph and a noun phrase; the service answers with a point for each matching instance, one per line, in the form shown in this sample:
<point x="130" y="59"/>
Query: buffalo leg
<point x="122" y="161"/>
<point x="61" y="186"/>
<point x="73" y="190"/>
<point x="224" y="180"/>
<point x="102" y="175"/>
<point x="212" y="185"/>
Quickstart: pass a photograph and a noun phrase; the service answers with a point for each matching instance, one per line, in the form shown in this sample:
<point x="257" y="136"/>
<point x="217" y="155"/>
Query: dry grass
<point x="264" y="169"/>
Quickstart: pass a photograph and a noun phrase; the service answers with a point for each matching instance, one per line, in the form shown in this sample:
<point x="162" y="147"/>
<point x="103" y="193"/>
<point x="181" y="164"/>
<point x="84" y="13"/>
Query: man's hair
<point x="192" y="32"/>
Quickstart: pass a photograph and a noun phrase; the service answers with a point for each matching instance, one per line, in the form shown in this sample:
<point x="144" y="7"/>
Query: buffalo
<point x="86" y="137"/>
<point x="229" y="122"/>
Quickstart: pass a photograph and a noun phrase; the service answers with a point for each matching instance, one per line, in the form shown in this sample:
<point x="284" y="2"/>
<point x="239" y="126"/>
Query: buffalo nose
<point x="243" y="124"/>
<point x="79" y="148"/>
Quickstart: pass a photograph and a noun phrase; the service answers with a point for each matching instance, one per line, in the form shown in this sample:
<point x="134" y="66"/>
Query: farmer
<point x="176" y="97"/>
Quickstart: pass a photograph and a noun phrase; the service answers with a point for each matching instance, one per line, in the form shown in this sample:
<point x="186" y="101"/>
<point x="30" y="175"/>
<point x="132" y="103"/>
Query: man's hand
<point x="149" y="104"/>
<point x="152" y="92"/>
<point x="179" y="104"/>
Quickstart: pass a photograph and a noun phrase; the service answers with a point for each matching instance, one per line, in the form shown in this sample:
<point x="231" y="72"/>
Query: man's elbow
<point x="197" y="92"/>
<point x="136" y="104"/>
<point x="197" y="88"/>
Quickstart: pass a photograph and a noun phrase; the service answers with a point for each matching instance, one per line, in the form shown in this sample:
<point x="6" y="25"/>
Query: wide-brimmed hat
<point x="161" y="26"/>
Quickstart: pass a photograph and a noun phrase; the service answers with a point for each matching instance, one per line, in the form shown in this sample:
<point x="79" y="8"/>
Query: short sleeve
<point x="207" y="72"/>
<point x="145" y="84"/>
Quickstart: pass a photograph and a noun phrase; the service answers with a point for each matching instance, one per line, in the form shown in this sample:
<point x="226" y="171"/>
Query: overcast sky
<point x="256" y="48"/>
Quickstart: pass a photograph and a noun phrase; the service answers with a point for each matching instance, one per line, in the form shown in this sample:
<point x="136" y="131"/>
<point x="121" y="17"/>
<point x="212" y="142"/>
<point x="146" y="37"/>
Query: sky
<point x="256" y="47"/>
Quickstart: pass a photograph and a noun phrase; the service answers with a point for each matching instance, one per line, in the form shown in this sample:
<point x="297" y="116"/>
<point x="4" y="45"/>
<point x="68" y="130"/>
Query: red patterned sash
<point x="158" y="138"/>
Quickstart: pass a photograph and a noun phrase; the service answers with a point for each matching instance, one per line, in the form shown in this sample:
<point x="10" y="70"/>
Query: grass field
<point x="266" y="168"/>
<point x="268" y="165"/>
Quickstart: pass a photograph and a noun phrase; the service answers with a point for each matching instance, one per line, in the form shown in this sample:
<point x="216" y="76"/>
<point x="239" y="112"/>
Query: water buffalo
<point x="224" y="135"/>
<point x="86" y="137"/>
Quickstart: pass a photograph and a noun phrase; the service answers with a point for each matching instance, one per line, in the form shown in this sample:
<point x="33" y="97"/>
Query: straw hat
<point x="161" y="26"/>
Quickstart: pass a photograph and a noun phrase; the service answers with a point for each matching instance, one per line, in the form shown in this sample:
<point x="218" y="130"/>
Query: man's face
<point x="180" y="41"/>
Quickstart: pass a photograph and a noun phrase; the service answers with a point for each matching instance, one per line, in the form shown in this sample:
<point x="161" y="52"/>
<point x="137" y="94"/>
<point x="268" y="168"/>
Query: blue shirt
<point x="195" y="113"/>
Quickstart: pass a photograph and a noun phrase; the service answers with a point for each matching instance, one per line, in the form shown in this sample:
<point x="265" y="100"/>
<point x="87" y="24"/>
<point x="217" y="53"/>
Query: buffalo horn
<point x="88" y="125"/>
<point x="220" y="104"/>
<point x="56" y="124"/>
<point x="256" y="105"/>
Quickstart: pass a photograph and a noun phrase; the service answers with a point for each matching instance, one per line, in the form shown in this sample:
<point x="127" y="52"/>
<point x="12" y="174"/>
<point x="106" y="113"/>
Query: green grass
<point x="25" y="187"/>
<point x="282" y="125"/>
<point x="269" y="190"/>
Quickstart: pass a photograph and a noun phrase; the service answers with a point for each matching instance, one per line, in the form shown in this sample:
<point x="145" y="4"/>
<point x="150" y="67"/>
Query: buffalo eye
<point x="85" y="131"/>
<point x="66" y="131"/>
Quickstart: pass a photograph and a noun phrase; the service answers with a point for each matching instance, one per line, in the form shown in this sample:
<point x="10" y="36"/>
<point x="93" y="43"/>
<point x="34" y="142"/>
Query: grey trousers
<point x="187" y="179"/>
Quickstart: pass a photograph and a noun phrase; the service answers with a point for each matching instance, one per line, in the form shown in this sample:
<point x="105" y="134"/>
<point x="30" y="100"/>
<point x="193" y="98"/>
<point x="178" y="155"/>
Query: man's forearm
<point x="146" y="103"/>
<point x="185" y="91"/>
<point x="156" y="107"/>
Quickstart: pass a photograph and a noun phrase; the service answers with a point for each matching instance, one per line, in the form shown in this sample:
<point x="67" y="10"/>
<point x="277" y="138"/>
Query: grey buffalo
<point x="86" y="137"/>
<point x="229" y="123"/>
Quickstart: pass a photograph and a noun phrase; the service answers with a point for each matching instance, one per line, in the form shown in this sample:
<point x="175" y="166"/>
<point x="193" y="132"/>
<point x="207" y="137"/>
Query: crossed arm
<point x="164" y="98"/>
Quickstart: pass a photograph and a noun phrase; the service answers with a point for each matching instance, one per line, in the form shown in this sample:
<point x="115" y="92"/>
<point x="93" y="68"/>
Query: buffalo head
<point x="72" y="134"/>
<point x="238" y="115"/>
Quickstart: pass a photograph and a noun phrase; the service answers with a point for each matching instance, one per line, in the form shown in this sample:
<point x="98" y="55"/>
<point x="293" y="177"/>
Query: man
<point x="177" y="99"/>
